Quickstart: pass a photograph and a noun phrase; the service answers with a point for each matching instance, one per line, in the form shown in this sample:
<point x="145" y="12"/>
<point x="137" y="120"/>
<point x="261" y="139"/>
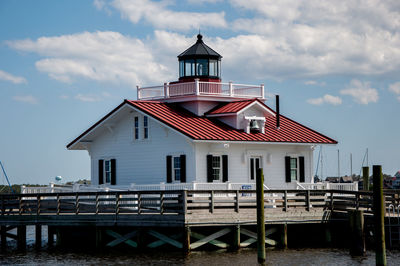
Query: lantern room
<point x="199" y="62"/>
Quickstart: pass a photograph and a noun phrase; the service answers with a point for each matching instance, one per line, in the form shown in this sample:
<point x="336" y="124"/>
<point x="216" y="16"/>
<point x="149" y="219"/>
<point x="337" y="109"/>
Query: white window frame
<point x="146" y="127"/>
<point x="297" y="168"/>
<point x="105" y="172"/>
<point x="136" y="128"/>
<point x="219" y="180"/>
<point x="260" y="158"/>
<point x="176" y="168"/>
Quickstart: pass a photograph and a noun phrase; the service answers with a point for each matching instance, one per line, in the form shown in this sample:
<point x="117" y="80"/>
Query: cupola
<point x="199" y="62"/>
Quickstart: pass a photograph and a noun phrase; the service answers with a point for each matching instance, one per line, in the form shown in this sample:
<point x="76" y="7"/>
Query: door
<point x="255" y="163"/>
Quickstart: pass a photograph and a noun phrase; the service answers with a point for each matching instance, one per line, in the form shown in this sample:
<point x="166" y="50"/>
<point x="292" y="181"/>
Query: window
<point x="107" y="171"/>
<point x="213" y="68"/>
<point x="181" y="68"/>
<point x="190" y="68"/>
<point x="177" y="168"/>
<point x="293" y="168"/>
<point x="216" y="167"/>
<point x="145" y="127"/>
<point x="254" y="165"/>
<point x="201" y="67"/>
<point x="136" y="129"/>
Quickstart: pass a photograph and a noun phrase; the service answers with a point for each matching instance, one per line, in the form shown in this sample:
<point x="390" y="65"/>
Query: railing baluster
<point x="77" y="203"/>
<point x="58" y="204"/>
<point x="237" y="201"/>
<point x="97" y="203"/>
<point x="161" y="202"/>
<point x="308" y="204"/>
<point x="117" y="203"/>
<point x="212" y="202"/>
<point x="38" y="205"/>
<point x="285" y="203"/>
<point x="20" y="204"/>
<point x="184" y="201"/>
<point x="139" y="202"/>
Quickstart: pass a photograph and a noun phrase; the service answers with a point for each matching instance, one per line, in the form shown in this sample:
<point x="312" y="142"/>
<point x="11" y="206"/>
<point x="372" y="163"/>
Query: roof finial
<point x="199" y="37"/>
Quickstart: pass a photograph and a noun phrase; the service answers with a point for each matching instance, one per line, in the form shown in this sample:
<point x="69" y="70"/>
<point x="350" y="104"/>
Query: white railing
<point x="51" y="188"/>
<point x="200" y="88"/>
<point x="324" y="186"/>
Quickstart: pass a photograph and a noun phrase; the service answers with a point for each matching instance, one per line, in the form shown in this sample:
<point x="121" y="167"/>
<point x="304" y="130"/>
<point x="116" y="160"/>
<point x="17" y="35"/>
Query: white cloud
<point x="100" y="56"/>
<point x="317" y="38"/>
<point x="361" y="92"/>
<point x="395" y="88"/>
<point x="11" y="78"/>
<point x="197" y="2"/>
<point x="313" y="82"/>
<point x="26" y="99"/>
<point x="158" y="15"/>
<point x="64" y="97"/>
<point x="327" y="98"/>
<point x="92" y="97"/>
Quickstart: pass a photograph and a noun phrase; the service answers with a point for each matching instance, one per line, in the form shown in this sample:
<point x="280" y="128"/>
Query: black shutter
<point x="287" y="169"/>
<point x="301" y="168"/>
<point x="113" y="172"/>
<point x="183" y="168"/>
<point x="209" y="169"/>
<point x="169" y="169"/>
<point x="224" y="168"/>
<point x="101" y="171"/>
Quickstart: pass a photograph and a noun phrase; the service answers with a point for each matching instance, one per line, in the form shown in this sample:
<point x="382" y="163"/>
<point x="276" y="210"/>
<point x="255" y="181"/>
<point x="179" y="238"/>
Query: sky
<point x="65" y="64"/>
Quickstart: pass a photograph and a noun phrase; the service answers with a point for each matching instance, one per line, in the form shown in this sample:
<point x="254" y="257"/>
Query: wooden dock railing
<point x="185" y="202"/>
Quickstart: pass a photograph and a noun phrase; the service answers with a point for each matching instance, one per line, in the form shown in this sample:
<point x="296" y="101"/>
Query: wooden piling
<point x="284" y="242"/>
<point x="99" y="237"/>
<point x="365" y="170"/>
<point x="260" y="216"/>
<point x="379" y="218"/>
<point x="236" y="237"/>
<point x="3" y="237"/>
<point x="50" y="236"/>
<point x="356" y="222"/>
<point x="38" y="236"/>
<point x="186" y="240"/>
<point x="328" y="234"/>
<point x="21" y="237"/>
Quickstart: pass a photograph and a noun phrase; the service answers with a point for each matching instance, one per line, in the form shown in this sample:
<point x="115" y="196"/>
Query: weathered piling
<point x="284" y="242"/>
<point x="38" y="236"/>
<point x="21" y="237"/>
<point x="379" y="218"/>
<point x="3" y="237"/>
<point x="356" y="221"/>
<point x="365" y="170"/>
<point x="236" y="237"/>
<point x="260" y="216"/>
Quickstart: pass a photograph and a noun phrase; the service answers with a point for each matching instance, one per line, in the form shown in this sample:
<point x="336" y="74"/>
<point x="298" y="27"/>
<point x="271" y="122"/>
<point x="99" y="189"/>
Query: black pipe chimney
<point x="277" y="112"/>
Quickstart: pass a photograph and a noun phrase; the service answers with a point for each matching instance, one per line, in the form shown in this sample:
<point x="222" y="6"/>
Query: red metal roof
<point x="230" y="108"/>
<point x="203" y="128"/>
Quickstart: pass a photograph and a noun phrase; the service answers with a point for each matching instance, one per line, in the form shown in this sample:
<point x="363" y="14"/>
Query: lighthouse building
<point x="198" y="133"/>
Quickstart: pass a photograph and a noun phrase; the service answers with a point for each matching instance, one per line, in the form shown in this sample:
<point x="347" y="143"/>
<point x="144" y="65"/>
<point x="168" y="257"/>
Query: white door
<point x="255" y="163"/>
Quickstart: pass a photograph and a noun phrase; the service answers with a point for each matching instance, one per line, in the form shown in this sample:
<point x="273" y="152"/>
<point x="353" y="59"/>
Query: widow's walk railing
<point x="200" y="88"/>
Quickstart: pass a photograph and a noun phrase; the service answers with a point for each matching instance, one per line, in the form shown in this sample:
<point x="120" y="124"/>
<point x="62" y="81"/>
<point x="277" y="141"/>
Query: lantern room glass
<point x="199" y="67"/>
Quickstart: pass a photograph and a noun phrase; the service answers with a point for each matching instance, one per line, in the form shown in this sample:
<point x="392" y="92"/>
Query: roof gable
<point x="237" y="107"/>
<point x="211" y="129"/>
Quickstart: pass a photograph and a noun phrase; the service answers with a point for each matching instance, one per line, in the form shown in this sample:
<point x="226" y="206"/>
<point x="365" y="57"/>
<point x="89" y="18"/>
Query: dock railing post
<point x="365" y="171"/>
<point x="260" y="216"/>
<point x="379" y="215"/>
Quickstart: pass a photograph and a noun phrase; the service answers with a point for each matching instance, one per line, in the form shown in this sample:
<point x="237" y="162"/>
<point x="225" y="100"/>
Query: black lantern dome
<point x="199" y="61"/>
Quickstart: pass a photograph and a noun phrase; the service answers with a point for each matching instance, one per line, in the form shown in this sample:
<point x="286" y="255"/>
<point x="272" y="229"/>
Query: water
<point x="246" y="257"/>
